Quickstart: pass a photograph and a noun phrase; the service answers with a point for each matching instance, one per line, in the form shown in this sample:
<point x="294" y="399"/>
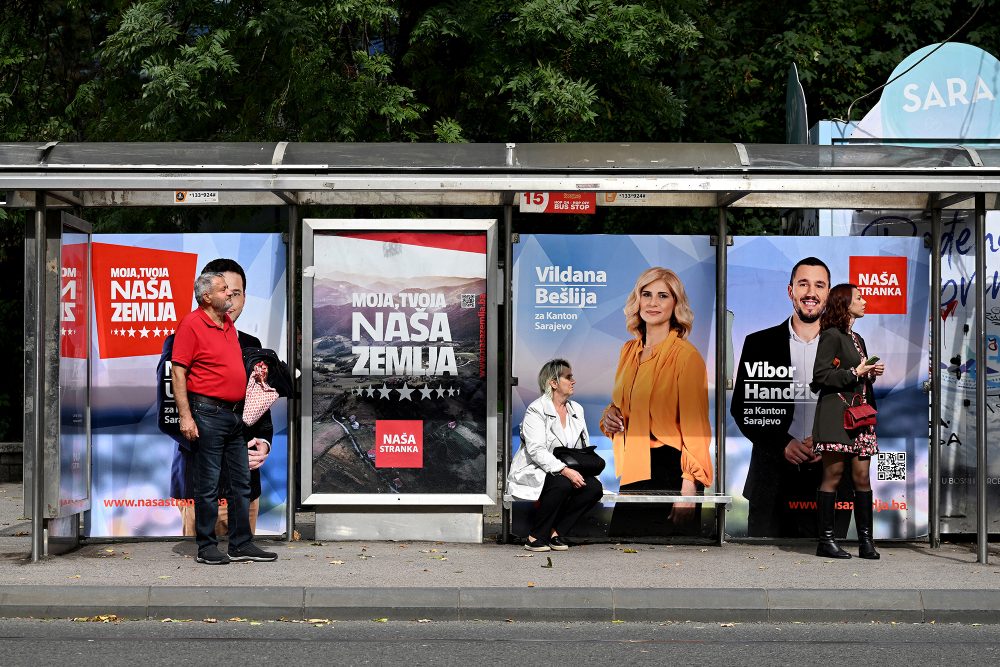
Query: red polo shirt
<point x="212" y="355"/>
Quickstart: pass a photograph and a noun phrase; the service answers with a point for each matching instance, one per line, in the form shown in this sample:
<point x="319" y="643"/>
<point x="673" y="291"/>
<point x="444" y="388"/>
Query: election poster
<point x="958" y="349"/>
<point x="142" y="287"/>
<point x="74" y="462"/>
<point x="398" y="364"/>
<point x="570" y="296"/>
<point x="777" y="291"/>
<point x="949" y="100"/>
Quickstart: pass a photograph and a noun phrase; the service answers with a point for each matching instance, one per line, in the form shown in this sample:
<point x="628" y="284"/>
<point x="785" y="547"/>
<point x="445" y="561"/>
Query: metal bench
<point x="716" y="499"/>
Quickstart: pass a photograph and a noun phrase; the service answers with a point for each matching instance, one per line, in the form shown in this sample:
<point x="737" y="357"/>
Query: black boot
<point x="863" y="521"/>
<point x="827" y="547"/>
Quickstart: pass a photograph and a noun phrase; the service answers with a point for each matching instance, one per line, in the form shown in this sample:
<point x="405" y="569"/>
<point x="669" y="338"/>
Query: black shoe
<point x="251" y="551"/>
<point x="863" y="521"/>
<point x="556" y="543"/>
<point x="212" y="556"/>
<point x="537" y="545"/>
<point x="827" y="546"/>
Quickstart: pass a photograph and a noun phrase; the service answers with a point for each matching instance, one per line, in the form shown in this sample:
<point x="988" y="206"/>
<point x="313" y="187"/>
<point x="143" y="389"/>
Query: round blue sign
<point x="950" y="95"/>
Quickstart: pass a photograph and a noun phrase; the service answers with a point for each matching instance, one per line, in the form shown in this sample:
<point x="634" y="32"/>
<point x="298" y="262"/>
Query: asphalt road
<point x="151" y="643"/>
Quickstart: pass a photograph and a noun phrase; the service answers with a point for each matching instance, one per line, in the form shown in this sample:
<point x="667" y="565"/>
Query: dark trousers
<point x="788" y="509"/>
<point x="561" y="505"/>
<point x="651" y="519"/>
<point x="220" y="445"/>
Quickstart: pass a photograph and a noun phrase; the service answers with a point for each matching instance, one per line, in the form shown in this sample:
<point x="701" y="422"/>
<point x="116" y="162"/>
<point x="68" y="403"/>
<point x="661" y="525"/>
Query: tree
<point x="552" y="70"/>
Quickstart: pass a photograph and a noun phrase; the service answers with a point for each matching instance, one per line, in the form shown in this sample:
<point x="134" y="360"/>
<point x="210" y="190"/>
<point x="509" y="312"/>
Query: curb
<point x="754" y="605"/>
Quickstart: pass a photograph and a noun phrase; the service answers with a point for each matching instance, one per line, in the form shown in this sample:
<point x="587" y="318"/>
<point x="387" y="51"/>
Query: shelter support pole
<point x="38" y="446"/>
<point x="721" y="257"/>
<point x="508" y="347"/>
<point x="294" y="408"/>
<point x="936" y="333"/>
<point x="982" y="534"/>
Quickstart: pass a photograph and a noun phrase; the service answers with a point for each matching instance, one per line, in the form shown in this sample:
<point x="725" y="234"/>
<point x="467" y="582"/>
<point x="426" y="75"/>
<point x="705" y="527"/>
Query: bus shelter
<point x="52" y="180"/>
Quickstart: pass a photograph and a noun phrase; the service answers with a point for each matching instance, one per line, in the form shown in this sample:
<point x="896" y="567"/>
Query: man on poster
<point x="773" y="407"/>
<point x="258" y="436"/>
<point x="209" y="383"/>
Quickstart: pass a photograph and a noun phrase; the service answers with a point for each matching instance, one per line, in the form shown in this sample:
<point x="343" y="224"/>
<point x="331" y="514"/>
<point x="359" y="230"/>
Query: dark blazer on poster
<point x="835" y="382"/>
<point x="181" y="474"/>
<point x="768" y="456"/>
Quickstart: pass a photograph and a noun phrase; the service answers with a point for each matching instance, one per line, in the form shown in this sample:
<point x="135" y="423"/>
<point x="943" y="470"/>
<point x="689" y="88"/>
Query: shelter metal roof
<point x="698" y="175"/>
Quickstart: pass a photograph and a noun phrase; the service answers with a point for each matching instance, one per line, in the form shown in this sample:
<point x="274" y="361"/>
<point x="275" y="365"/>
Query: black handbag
<point x="584" y="460"/>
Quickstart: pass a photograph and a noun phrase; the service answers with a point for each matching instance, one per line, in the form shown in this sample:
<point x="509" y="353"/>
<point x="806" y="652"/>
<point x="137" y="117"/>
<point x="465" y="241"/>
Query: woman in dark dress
<point x="841" y="377"/>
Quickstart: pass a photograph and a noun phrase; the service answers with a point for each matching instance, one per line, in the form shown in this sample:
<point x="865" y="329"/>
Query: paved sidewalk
<point x="405" y="581"/>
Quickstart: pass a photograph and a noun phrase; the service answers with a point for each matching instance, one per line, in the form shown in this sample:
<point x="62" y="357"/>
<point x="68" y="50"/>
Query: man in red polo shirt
<point x="209" y="382"/>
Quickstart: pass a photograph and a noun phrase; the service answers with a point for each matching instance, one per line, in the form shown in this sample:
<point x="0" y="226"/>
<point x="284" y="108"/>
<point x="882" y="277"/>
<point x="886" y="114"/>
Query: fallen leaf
<point x="629" y="551"/>
<point x="524" y="556"/>
<point x="336" y="562"/>
<point x="381" y="620"/>
<point x="164" y="576"/>
<point x="726" y="625"/>
<point x="109" y="551"/>
<point x="75" y="576"/>
<point x="531" y="584"/>
<point x="617" y="620"/>
<point x="237" y="619"/>
<point x="423" y="620"/>
<point x="210" y="620"/>
<point x="548" y="561"/>
<point x="704" y="551"/>
<point x="296" y="536"/>
<point x="317" y="620"/>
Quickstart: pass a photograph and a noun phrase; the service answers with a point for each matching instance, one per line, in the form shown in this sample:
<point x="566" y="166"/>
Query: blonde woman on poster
<point x="843" y="376"/>
<point x="658" y="416"/>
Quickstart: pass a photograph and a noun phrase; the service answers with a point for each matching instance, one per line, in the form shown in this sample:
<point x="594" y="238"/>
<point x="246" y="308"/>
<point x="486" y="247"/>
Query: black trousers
<point x="791" y="510"/>
<point x="561" y="505"/>
<point x="651" y="519"/>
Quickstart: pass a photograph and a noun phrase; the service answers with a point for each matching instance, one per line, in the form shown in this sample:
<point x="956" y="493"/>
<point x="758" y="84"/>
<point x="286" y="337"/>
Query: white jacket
<point x="540" y="434"/>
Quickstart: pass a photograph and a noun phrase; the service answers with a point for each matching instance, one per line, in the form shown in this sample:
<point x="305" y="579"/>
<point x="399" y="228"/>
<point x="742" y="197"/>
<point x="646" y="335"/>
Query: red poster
<point x="882" y="282"/>
<point x="73" y="302"/>
<point x="139" y="297"/>
<point x="399" y="443"/>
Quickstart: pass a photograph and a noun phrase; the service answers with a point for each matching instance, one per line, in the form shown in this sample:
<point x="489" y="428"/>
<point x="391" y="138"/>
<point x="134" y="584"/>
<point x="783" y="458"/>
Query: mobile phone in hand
<point x="871" y="361"/>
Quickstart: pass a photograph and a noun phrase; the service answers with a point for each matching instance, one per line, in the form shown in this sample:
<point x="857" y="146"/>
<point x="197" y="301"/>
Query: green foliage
<point x="843" y="50"/>
<point x="544" y="70"/>
<point x="450" y="71"/>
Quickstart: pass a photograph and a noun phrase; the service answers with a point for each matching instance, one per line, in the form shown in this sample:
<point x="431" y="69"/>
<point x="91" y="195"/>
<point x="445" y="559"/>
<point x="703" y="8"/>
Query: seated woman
<point x="563" y="495"/>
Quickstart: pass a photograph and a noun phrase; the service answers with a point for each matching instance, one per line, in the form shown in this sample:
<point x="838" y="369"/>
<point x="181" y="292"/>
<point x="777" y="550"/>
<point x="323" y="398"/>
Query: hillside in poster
<point x="395" y="347"/>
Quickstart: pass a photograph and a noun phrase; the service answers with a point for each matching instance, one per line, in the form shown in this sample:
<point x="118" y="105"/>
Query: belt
<point x="208" y="400"/>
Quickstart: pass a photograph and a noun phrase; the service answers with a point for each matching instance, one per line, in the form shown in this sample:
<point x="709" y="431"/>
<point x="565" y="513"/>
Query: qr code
<point x="892" y="466"/>
<point x="468" y="301"/>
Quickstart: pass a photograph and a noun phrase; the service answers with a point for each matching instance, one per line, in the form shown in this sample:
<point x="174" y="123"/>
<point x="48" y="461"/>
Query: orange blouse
<point x="665" y="402"/>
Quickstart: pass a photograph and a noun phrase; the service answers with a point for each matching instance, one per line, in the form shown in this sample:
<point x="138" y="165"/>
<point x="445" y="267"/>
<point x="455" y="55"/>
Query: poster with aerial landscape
<point x="398" y="351"/>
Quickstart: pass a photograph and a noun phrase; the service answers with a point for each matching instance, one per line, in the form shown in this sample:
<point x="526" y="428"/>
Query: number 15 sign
<point x="558" y="202"/>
